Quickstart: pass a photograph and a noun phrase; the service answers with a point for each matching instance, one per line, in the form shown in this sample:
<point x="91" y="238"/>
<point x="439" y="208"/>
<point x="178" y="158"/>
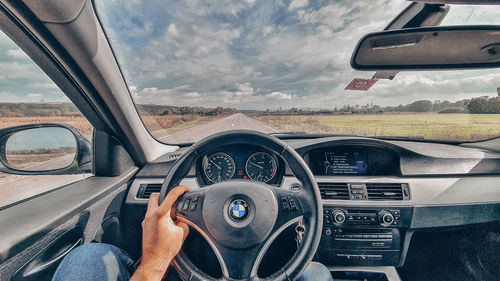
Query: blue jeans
<point x="103" y="262"/>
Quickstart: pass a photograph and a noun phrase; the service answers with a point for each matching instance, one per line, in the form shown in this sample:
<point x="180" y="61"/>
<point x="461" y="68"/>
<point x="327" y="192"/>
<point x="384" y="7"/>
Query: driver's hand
<point x="162" y="236"/>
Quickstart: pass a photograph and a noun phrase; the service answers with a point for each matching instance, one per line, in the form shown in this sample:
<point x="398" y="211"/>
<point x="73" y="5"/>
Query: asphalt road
<point x="233" y="122"/>
<point x="52" y="164"/>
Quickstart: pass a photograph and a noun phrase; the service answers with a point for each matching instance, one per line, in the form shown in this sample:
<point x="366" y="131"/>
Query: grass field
<point x="465" y="127"/>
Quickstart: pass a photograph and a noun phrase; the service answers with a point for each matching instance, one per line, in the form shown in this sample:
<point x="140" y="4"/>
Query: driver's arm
<point x="162" y="237"/>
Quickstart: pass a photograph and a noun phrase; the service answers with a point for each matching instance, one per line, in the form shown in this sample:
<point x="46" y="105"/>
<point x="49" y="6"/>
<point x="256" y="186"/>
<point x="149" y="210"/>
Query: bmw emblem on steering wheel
<point x="238" y="210"/>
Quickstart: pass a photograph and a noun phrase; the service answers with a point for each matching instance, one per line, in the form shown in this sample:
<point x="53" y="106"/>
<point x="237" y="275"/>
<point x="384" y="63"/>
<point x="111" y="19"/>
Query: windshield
<point x="198" y="67"/>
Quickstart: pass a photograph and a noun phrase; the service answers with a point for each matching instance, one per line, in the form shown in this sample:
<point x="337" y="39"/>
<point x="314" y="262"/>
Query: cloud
<point x="21" y="80"/>
<point x="43" y="85"/>
<point x="279" y="96"/>
<point x="242" y="95"/>
<point x="172" y="30"/>
<point x="17" y="54"/>
<point x="36" y="96"/>
<point x="297" y="4"/>
<point x="269" y="54"/>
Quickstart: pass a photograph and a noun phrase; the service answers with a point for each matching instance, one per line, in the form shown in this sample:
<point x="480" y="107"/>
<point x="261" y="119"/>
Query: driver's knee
<point x="316" y="272"/>
<point x="95" y="261"/>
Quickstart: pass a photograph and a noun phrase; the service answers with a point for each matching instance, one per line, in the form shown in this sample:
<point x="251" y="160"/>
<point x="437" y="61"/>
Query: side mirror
<point x="44" y="149"/>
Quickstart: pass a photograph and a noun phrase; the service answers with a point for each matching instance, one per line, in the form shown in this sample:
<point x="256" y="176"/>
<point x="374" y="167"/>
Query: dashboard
<point x="253" y="163"/>
<point x="375" y="193"/>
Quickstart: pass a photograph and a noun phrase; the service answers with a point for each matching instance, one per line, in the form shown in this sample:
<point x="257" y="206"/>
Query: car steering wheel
<point x="241" y="218"/>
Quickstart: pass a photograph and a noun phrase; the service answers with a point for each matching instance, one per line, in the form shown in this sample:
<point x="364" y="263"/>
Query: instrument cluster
<point x="240" y="163"/>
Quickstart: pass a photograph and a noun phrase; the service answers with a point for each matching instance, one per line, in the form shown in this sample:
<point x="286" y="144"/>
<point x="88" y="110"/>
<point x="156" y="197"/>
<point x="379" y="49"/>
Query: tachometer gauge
<point x="261" y="166"/>
<point x="219" y="167"/>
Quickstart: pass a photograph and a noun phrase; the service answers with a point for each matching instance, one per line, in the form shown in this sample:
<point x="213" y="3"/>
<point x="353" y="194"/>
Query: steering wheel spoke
<point x="290" y="208"/>
<point x="240" y="264"/>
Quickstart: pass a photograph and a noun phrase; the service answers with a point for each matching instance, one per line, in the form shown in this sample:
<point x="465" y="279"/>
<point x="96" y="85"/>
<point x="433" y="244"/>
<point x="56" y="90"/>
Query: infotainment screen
<point x="338" y="163"/>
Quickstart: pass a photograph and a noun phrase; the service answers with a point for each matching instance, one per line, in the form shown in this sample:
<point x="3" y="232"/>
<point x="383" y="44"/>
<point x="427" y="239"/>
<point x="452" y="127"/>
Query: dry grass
<point x="467" y="127"/>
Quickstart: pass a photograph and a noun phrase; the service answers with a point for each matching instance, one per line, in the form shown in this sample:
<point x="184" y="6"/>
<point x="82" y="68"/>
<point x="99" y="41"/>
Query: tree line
<point x="479" y="105"/>
<point x="58" y="109"/>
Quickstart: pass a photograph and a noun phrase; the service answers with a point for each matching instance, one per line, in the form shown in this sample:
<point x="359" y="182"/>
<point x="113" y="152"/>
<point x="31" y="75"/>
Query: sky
<point x="21" y="80"/>
<point x="253" y="54"/>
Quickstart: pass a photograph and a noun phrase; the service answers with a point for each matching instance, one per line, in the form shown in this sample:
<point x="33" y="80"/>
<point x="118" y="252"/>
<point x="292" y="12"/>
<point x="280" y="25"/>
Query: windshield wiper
<point x="298" y="133"/>
<point x="398" y="137"/>
<point x="304" y="134"/>
<point x="417" y="139"/>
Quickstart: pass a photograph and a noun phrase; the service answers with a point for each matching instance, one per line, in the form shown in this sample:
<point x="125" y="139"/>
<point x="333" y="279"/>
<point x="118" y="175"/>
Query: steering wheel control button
<point x="193" y="207"/>
<point x="238" y="210"/>
<point x="185" y="207"/>
<point x="289" y="203"/>
<point x="293" y="205"/>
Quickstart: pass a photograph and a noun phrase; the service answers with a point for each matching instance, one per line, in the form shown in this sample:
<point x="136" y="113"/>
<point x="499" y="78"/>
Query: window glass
<point x="28" y="96"/>
<point x="198" y="67"/>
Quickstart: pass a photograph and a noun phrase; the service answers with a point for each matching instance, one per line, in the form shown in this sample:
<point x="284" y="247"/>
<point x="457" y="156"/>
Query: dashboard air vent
<point x="145" y="190"/>
<point x="388" y="191"/>
<point x="337" y="191"/>
<point x="172" y="156"/>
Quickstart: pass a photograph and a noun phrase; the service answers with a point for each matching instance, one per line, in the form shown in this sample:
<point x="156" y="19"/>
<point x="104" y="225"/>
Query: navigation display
<point x="339" y="163"/>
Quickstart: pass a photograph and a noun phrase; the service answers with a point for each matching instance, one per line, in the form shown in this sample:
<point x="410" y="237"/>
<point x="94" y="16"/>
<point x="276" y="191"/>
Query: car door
<point x="59" y="189"/>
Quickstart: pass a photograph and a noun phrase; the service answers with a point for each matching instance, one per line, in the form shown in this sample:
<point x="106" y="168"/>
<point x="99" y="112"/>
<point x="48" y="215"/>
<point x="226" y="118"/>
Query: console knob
<point x="328" y="231"/>
<point x="385" y="218"/>
<point x="338" y="216"/>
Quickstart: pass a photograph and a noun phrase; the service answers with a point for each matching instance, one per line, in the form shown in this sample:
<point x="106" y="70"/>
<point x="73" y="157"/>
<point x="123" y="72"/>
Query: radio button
<point x="338" y="216"/>
<point x="328" y="231"/>
<point x="386" y="218"/>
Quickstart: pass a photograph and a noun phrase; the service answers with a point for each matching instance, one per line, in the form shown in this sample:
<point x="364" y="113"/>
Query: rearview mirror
<point x="429" y="48"/>
<point x="43" y="149"/>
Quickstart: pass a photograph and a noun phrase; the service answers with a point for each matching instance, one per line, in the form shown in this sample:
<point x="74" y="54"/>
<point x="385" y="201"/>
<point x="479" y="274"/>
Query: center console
<point x="368" y="236"/>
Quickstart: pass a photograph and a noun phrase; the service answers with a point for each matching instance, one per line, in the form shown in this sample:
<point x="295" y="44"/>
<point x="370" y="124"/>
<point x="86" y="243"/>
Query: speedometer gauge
<point x="219" y="167"/>
<point x="261" y="166"/>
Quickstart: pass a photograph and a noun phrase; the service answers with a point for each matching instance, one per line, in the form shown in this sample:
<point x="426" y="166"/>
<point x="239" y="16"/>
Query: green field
<point x="465" y="127"/>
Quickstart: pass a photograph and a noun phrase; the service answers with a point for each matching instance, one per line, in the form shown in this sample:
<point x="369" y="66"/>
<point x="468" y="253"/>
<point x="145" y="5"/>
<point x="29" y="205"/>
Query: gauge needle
<point x="215" y="164"/>
<point x="256" y="165"/>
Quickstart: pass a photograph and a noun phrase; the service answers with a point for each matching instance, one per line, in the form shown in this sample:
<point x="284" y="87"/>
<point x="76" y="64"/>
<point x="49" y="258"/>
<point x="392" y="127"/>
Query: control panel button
<point x="338" y="216"/>
<point x="328" y="231"/>
<point x="386" y="218"/>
